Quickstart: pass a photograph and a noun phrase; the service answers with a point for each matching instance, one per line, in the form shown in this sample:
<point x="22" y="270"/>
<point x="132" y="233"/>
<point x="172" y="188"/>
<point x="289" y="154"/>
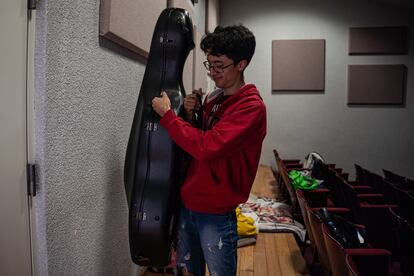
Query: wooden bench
<point x="274" y="254"/>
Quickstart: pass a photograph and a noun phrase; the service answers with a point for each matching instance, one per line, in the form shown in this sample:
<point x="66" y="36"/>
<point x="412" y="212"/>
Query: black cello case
<point x="153" y="172"/>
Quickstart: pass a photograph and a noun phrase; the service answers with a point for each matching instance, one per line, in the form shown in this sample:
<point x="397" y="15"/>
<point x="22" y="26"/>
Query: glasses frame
<point x="216" y="68"/>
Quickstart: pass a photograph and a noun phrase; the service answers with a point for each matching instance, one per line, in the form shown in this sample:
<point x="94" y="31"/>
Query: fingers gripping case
<point x="152" y="173"/>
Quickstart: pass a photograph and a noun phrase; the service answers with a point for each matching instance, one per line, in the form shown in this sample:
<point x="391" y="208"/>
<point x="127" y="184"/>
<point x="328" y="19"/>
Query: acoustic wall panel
<point x="298" y="65"/>
<point x="378" y="40"/>
<point x="376" y="84"/>
<point x="130" y="23"/>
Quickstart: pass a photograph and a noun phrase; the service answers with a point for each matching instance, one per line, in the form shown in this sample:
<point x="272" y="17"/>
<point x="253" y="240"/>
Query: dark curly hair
<point x="236" y="42"/>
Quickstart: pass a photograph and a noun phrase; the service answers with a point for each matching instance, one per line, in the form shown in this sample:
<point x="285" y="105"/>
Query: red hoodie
<point x="225" y="156"/>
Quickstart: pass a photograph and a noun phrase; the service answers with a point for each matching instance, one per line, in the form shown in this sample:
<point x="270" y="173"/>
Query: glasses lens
<point x="207" y="65"/>
<point x="216" y="68"/>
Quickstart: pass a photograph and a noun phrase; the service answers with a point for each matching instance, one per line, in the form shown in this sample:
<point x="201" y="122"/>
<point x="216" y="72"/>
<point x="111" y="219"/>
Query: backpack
<point x="344" y="231"/>
<point x="310" y="160"/>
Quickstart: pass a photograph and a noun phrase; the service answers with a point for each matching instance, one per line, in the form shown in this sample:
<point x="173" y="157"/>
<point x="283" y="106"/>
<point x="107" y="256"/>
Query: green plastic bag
<point x="299" y="181"/>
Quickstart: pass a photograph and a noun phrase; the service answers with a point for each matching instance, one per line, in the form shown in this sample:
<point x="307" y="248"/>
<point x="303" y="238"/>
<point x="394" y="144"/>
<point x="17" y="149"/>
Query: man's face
<point x="223" y="71"/>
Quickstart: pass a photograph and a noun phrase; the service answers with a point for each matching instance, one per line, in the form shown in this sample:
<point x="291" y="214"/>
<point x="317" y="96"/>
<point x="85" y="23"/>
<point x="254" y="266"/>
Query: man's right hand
<point x="191" y="104"/>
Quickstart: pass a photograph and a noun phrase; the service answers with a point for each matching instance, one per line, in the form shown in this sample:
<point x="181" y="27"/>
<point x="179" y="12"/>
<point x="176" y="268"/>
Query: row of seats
<point x="395" y="188"/>
<point x="396" y="178"/>
<point x="287" y="191"/>
<point x="362" y="201"/>
<point x="332" y="255"/>
<point x="366" y="204"/>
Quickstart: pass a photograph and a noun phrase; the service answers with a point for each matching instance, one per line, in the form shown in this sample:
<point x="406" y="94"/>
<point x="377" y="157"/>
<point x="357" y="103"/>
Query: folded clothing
<point x="246" y="225"/>
<point x="272" y="216"/>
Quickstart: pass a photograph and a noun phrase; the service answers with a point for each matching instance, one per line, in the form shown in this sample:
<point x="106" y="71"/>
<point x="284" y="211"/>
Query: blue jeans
<point x="207" y="238"/>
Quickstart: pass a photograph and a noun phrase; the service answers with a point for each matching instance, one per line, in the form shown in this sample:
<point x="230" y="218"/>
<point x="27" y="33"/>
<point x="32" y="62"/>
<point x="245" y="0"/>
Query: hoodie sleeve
<point x="247" y="124"/>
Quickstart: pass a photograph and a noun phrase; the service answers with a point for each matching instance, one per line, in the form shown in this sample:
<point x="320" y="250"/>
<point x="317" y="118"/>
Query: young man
<point x="226" y="153"/>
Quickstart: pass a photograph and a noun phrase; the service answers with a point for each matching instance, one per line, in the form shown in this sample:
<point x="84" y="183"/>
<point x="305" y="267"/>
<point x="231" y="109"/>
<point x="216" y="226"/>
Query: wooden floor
<point x="274" y="254"/>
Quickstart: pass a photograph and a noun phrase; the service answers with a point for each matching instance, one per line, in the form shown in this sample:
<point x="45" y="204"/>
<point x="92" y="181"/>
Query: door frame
<point x="30" y="129"/>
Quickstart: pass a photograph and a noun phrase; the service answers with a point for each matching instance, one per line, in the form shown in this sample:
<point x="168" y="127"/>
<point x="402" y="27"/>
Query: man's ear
<point x="242" y="65"/>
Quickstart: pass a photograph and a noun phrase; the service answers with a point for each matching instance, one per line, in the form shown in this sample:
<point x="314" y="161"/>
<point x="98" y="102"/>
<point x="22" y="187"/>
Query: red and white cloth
<point x="272" y="216"/>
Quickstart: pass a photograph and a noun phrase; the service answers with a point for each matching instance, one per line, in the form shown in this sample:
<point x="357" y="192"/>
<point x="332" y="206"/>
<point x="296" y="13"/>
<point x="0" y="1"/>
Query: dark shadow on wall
<point x="114" y="47"/>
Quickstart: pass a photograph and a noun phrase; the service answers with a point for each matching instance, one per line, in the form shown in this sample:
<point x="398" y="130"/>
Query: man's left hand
<point x="161" y="104"/>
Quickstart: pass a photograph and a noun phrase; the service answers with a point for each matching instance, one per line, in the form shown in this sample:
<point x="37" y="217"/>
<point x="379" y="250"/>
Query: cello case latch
<point x="150" y="126"/>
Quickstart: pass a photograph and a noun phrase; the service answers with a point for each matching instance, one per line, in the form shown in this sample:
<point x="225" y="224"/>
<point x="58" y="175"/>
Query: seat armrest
<point x="367" y="251"/>
<point x="374" y="206"/>
<point x="363" y="189"/>
<point x="334" y="210"/>
<point x="371" y="198"/>
<point x="340" y="211"/>
<point x="371" y="261"/>
<point x="360" y="226"/>
<point x="353" y="182"/>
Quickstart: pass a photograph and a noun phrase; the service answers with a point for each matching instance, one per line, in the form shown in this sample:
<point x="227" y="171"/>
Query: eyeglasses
<point x="216" y="68"/>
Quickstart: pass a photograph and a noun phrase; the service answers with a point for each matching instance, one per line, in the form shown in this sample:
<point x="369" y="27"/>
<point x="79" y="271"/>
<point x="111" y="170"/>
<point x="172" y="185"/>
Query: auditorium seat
<point x="375" y="217"/>
<point x="393" y="177"/>
<point x="406" y="202"/>
<point x="282" y="169"/>
<point x="404" y="239"/>
<point x="316" y="226"/>
<point x="352" y="269"/>
<point x="370" y="261"/>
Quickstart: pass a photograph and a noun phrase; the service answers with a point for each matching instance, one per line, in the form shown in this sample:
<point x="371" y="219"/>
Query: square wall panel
<point x="378" y="40"/>
<point x="130" y="23"/>
<point x="298" y="65"/>
<point x="376" y="84"/>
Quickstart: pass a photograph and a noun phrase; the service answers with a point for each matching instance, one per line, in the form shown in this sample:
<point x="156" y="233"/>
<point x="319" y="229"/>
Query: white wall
<point x="85" y="99"/>
<point x="86" y="92"/>
<point x="373" y="136"/>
